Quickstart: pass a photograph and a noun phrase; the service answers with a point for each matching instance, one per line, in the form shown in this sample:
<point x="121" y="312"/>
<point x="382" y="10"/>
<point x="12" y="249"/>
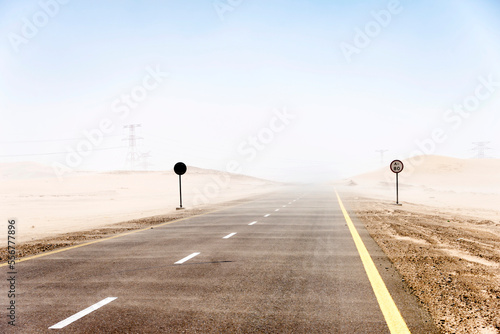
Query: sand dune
<point x="466" y="186"/>
<point x="44" y="206"/>
<point x="443" y="173"/>
<point x="24" y="170"/>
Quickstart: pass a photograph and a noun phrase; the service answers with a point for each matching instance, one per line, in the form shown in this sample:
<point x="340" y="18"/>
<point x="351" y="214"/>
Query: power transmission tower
<point x="381" y="155"/>
<point x="144" y="160"/>
<point x="132" y="154"/>
<point x="481" y="148"/>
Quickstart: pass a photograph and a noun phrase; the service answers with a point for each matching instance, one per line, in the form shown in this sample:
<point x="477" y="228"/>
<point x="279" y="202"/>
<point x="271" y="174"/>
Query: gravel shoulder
<point x="450" y="262"/>
<point x="44" y="245"/>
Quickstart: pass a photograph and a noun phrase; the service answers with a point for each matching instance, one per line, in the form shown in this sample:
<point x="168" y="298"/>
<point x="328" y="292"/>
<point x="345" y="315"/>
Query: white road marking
<point x="277" y="210"/>
<point x="284" y="206"/>
<point x="229" y="235"/>
<point x="267" y="215"/>
<point x="83" y="313"/>
<point x="253" y="223"/>
<point x="187" y="258"/>
<point x="290" y="203"/>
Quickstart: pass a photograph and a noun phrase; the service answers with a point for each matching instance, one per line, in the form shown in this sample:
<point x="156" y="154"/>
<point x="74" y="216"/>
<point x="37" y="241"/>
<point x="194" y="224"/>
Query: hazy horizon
<point x="415" y="164"/>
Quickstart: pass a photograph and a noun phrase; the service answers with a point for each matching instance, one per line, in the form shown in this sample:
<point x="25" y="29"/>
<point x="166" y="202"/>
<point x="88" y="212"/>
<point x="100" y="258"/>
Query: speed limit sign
<point x="397" y="166"/>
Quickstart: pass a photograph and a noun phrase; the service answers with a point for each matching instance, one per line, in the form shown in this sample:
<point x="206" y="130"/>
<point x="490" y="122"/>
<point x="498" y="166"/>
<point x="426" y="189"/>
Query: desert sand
<point x="444" y="239"/>
<point x="45" y="206"/>
<point x="459" y="186"/>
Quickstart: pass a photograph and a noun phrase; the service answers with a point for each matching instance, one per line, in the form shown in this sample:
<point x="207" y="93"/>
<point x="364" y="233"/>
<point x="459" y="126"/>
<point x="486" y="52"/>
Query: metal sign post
<point x="180" y="169"/>
<point x="180" y="190"/>
<point x="397" y="167"/>
<point x="397" y="189"/>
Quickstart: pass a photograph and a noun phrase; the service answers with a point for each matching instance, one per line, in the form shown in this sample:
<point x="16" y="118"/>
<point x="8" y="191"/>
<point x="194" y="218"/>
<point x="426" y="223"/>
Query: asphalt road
<point x="291" y="267"/>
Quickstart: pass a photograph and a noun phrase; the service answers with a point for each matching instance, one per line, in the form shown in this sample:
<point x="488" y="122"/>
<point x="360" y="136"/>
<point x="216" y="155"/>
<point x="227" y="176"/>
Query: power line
<point x="48" y="140"/>
<point x="52" y="153"/>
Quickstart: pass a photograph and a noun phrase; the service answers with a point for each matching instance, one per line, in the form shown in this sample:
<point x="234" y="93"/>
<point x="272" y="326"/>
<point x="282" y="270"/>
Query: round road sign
<point x="397" y="166"/>
<point x="180" y="168"/>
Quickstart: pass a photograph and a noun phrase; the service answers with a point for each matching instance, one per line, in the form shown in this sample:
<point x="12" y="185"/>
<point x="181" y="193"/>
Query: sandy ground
<point x="444" y="239"/>
<point x="84" y="235"/>
<point x="44" y="206"/>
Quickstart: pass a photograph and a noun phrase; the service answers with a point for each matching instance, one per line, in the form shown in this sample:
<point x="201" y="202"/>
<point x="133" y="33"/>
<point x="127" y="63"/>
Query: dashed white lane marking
<point x="267" y="215"/>
<point x="229" y="235"/>
<point x="290" y="203"/>
<point x="187" y="258"/>
<point x="284" y="206"/>
<point x="83" y="313"/>
<point x="253" y="223"/>
<point x="277" y="210"/>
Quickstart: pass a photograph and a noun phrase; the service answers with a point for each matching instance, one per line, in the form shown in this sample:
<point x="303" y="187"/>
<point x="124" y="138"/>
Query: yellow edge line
<point x="115" y="236"/>
<point x="389" y="309"/>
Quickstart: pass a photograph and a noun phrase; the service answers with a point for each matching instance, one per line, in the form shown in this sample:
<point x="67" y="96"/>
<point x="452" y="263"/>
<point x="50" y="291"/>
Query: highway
<point x="287" y="262"/>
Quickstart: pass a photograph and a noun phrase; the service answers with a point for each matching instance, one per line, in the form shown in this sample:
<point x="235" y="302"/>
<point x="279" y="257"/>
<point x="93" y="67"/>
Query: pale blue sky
<point x="227" y="76"/>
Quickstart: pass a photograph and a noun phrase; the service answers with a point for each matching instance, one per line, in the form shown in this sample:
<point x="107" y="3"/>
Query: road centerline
<point x="32" y="257"/>
<point x="82" y="313"/>
<point x="229" y="235"/>
<point x="252" y="223"/>
<point x="189" y="257"/>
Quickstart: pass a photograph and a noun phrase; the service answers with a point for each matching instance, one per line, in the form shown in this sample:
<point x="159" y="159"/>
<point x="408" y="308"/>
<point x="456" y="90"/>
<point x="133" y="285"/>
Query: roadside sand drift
<point x="44" y="206"/>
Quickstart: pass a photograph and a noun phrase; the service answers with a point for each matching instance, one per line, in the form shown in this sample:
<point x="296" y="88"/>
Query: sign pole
<point x="397" y="167"/>
<point x="180" y="189"/>
<point x="397" y="189"/>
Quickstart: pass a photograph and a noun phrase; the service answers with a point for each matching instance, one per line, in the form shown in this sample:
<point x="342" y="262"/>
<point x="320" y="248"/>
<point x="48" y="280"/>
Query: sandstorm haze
<point x="282" y="111"/>
<point x="289" y="91"/>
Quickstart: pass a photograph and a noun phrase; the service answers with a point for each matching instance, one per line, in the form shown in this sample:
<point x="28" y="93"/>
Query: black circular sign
<point x="180" y="168"/>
